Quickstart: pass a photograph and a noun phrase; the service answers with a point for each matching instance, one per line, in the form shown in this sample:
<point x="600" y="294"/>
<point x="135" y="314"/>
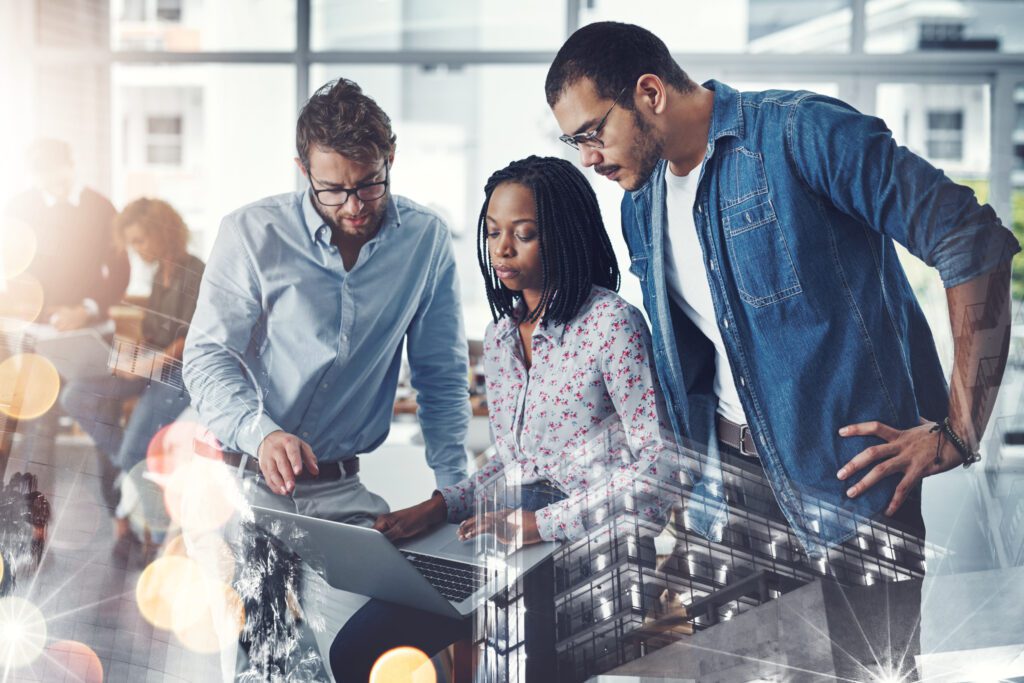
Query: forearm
<point x="228" y="403"/>
<point x="460" y="498"/>
<point x="979" y="316"/>
<point x="444" y="435"/>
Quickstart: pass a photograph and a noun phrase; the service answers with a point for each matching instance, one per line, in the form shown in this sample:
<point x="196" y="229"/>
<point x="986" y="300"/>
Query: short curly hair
<point x="340" y="117"/>
<point x="156" y="218"/>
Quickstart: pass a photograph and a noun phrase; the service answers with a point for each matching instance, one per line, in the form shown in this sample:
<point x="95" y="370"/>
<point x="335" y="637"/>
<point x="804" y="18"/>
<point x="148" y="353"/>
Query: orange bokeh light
<point x="21" y="301"/>
<point x="210" y="550"/>
<point x="69" y="660"/>
<point x="201" y="496"/>
<point x="209" y="618"/>
<point x="177" y="443"/>
<point x="403" y="665"/>
<point x="17" y="247"/>
<point x="29" y="386"/>
<point x="163" y="583"/>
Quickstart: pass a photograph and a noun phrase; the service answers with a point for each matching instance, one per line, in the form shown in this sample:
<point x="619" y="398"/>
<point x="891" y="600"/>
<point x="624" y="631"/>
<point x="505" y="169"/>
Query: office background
<point x="194" y="101"/>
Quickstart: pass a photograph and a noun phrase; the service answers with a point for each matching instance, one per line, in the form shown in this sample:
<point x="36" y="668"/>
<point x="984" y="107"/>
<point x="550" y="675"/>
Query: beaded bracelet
<point x="968" y="456"/>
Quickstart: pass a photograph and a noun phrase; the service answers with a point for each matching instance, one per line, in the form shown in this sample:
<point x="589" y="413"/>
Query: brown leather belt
<point x="329" y="471"/>
<point x="737" y="436"/>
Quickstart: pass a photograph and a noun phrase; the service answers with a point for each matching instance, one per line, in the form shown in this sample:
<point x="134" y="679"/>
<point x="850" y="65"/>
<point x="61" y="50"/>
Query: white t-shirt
<point x="687" y="279"/>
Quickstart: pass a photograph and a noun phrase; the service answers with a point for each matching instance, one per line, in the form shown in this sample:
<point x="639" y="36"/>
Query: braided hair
<point x="575" y="250"/>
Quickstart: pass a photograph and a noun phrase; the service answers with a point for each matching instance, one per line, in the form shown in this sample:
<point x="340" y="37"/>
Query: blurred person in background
<point x="158" y="234"/>
<point x="79" y="266"/>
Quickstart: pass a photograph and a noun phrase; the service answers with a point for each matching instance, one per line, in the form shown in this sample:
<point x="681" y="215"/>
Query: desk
<point x="407" y="406"/>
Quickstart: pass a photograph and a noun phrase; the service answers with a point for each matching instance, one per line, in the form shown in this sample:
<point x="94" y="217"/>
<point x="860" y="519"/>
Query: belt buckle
<point x="744" y="430"/>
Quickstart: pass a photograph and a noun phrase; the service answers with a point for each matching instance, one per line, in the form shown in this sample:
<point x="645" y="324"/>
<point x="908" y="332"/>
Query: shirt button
<point x="725" y="323"/>
<point x="344" y="338"/>
<point x="700" y="209"/>
<point x="324" y="385"/>
<point x="711" y="264"/>
<point x="743" y="382"/>
<point x="305" y="434"/>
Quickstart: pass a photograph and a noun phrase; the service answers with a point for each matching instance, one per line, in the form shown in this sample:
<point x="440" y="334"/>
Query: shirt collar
<point x="74" y="197"/>
<point x="507" y="328"/>
<point x="726" y="115"/>
<point x="316" y="227"/>
<point x="726" y="120"/>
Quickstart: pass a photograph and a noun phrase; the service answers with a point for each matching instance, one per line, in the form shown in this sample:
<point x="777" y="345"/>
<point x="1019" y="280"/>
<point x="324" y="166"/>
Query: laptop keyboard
<point x="456" y="581"/>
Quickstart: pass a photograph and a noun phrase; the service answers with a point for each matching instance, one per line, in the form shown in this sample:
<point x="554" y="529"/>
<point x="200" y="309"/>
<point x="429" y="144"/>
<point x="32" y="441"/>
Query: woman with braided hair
<point x="567" y="364"/>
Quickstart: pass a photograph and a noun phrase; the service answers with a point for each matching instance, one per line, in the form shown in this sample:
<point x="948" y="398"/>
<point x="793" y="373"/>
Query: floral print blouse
<point x="585" y="417"/>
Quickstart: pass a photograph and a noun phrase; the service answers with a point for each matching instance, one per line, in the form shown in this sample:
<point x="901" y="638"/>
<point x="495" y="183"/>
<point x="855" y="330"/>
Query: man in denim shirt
<point x="761" y="227"/>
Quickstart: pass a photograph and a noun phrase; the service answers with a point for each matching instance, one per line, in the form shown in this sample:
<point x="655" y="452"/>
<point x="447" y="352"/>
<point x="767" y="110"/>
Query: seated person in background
<point x="566" y="361"/>
<point x="76" y="262"/>
<point x="159" y="235"/>
<point x="80" y="267"/>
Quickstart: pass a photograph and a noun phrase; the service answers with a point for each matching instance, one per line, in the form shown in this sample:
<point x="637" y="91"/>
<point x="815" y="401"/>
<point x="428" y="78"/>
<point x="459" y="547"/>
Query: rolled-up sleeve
<point x="853" y="161"/>
<point x="227" y="312"/>
<point x="439" y="365"/>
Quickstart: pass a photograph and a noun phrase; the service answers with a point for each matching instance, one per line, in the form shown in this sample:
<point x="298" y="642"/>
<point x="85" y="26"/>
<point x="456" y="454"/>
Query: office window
<point x="149" y="10"/>
<point x="69" y="24"/>
<point x="202" y="25"/>
<point x="734" y="25"/>
<point x="438" y="24"/>
<point x="961" y="25"/>
<point x="196" y="141"/>
<point x="164" y="141"/>
<point x="168" y="10"/>
<point x="950" y="125"/>
<point x="940" y="36"/>
<point x="945" y="135"/>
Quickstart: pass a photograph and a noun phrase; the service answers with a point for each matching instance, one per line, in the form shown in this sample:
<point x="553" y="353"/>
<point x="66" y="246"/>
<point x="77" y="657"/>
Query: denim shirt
<point x="798" y="205"/>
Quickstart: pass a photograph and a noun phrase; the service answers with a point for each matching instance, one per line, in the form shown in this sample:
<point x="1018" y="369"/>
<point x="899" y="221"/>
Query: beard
<point x="647" y="152"/>
<point x="376" y="217"/>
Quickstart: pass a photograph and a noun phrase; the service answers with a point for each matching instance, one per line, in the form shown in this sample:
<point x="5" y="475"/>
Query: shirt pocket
<point x="761" y="261"/>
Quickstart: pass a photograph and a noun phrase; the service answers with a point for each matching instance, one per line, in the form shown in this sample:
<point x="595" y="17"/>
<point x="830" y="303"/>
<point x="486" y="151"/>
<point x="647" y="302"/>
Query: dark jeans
<point x="877" y="623"/>
<point x="381" y="626"/>
<point x="539" y="596"/>
<point x="96" y="404"/>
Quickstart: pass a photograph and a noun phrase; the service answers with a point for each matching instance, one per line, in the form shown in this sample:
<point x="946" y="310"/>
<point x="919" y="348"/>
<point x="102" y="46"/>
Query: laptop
<point x="435" y="572"/>
<point x="76" y="354"/>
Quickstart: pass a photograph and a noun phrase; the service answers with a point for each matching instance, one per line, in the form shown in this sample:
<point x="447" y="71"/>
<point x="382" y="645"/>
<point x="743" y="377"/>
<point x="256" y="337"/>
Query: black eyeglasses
<point x="338" y="196"/>
<point x="590" y="139"/>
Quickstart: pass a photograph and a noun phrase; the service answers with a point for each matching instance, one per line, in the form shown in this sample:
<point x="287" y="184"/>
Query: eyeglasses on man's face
<point x="338" y="196"/>
<point x="590" y="139"/>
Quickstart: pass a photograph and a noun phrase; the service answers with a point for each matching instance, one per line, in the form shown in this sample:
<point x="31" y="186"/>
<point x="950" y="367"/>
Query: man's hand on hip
<point x="413" y="521"/>
<point x="281" y="456"/>
<point x="915" y="452"/>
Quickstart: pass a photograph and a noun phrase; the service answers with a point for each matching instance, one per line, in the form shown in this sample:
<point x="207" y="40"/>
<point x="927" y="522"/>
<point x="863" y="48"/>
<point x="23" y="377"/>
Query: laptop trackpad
<point x="444" y="542"/>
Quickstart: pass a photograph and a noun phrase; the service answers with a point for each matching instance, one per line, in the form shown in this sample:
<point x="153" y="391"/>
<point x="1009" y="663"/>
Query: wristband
<point x="967" y="456"/>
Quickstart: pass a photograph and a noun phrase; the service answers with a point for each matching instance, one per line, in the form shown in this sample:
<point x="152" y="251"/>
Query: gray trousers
<point x="342" y="500"/>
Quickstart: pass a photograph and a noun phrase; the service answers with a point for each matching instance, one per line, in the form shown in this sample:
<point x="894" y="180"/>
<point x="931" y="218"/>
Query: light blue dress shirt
<point x="284" y="337"/>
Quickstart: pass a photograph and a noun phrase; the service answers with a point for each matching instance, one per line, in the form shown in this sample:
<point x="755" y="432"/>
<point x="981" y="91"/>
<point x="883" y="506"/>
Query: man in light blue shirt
<point x="295" y="348"/>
